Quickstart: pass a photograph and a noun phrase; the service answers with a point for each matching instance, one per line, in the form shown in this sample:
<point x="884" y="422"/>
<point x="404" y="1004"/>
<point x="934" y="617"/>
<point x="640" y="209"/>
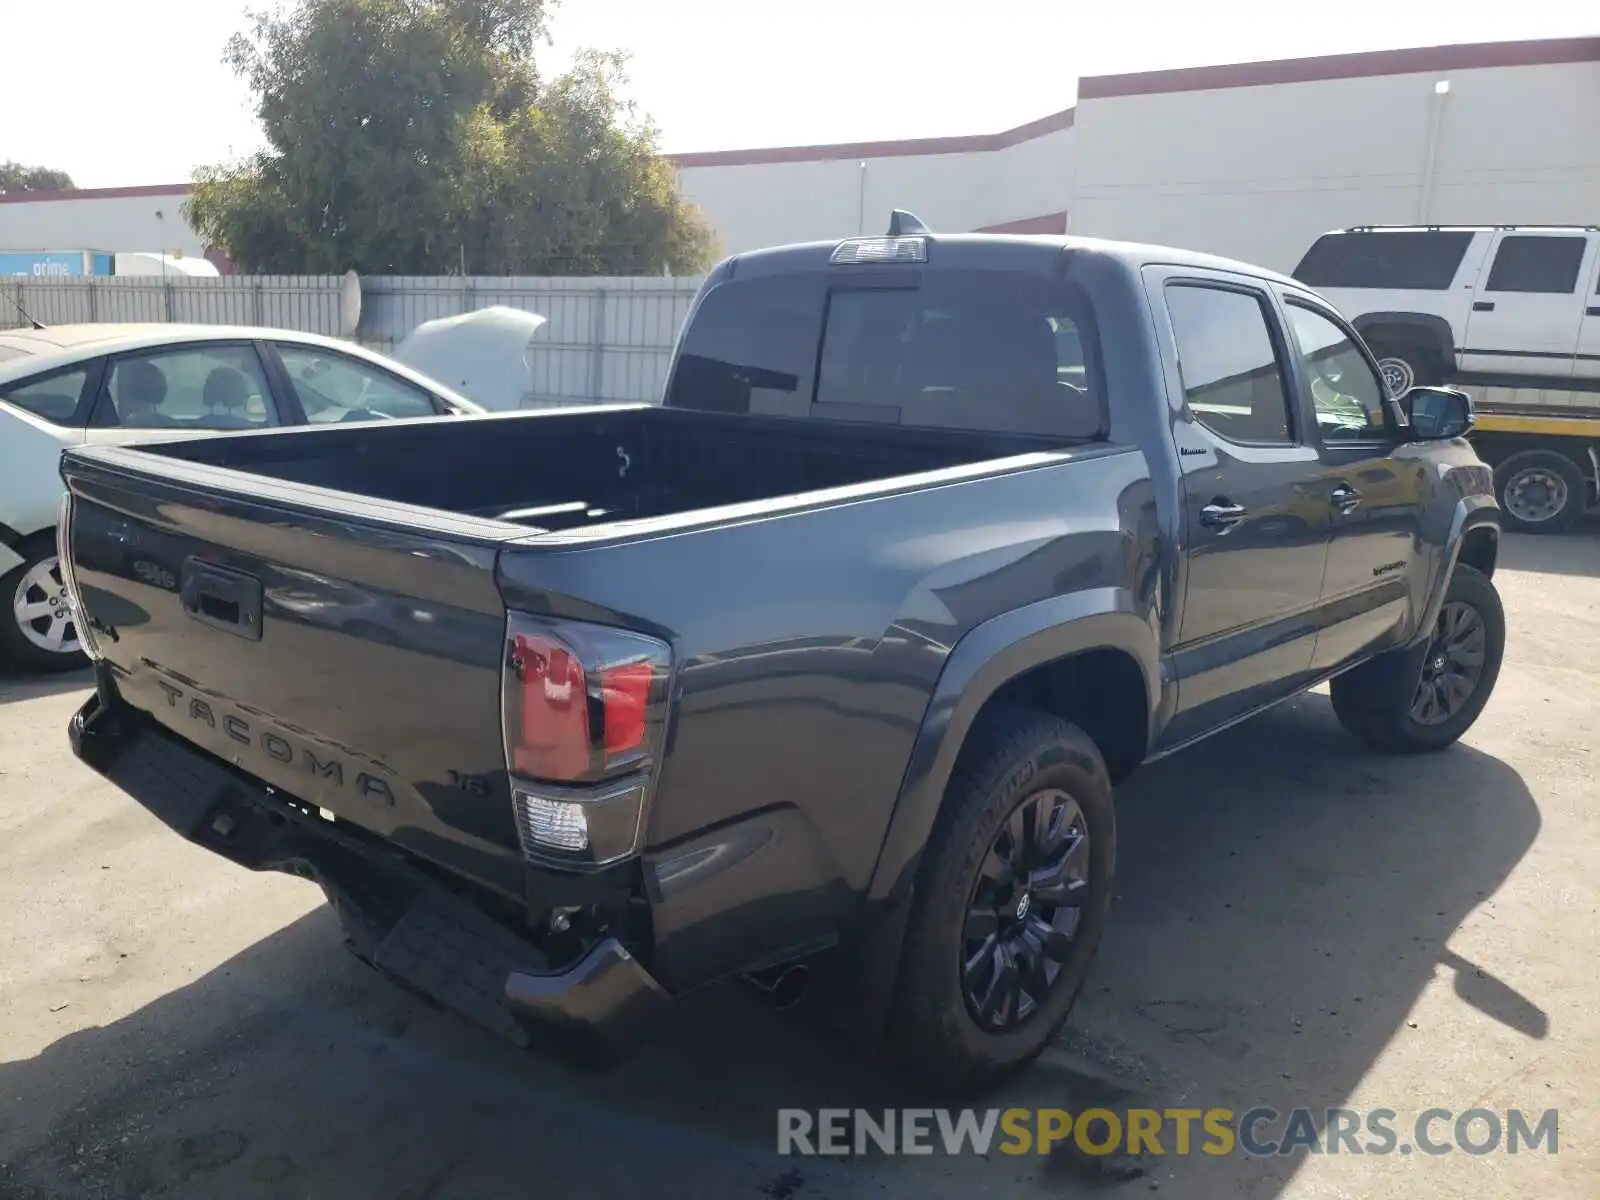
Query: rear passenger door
<point x="1256" y="512"/>
<point x="1587" y="363"/>
<point x="1528" y="305"/>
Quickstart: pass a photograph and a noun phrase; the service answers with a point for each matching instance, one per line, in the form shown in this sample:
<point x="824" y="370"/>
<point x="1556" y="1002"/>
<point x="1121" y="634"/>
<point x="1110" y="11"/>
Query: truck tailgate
<point x="348" y="654"/>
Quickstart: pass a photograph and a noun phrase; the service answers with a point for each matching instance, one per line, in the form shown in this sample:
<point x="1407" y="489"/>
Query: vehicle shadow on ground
<point x="15" y="686"/>
<point x="1284" y="897"/>
<point x="1575" y="553"/>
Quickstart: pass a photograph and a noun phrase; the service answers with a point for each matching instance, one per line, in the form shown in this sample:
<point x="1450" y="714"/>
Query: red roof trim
<point x="1053" y="223"/>
<point x="113" y="193"/>
<point x="1421" y="60"/>
<point x="968" y="144"/>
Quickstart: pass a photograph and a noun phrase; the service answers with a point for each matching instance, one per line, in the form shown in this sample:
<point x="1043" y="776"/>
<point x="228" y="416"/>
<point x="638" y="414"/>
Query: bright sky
<point x="121" y="92"/>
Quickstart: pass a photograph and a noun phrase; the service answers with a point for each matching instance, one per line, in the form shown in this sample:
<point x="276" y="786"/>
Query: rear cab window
<point x="1399" y="260"/>
<point x="984" y="351"/>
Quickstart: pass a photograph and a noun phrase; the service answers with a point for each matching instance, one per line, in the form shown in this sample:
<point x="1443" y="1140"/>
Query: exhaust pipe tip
<point x="791" y="987"/>
<point x="784" y="987"/>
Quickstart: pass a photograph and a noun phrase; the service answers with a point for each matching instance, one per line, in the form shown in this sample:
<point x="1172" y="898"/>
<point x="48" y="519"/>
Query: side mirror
<point x="1438" y="413"/>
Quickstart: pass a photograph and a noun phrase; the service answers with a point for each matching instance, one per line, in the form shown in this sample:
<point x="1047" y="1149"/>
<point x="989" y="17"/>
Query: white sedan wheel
<point x="42" y="609"/>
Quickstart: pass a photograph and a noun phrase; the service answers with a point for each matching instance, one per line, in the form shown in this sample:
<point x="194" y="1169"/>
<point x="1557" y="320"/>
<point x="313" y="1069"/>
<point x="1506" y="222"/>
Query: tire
<point x="1405" y="365"/>
<point x="1016" y="762"/>
<point x="35" y="585"/>
<point x="1540" y="491"/>
<point x="1378" y="701"/>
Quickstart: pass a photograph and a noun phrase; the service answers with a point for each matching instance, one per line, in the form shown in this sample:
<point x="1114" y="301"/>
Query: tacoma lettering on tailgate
<point x="274" y="745"/>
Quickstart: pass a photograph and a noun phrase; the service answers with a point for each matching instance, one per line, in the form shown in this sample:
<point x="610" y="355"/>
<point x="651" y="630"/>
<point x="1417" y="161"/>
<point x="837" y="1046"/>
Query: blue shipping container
<point x="54" y="264"/>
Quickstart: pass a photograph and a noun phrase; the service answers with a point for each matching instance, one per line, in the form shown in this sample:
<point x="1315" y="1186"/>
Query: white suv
<point x="1503" y="306"/>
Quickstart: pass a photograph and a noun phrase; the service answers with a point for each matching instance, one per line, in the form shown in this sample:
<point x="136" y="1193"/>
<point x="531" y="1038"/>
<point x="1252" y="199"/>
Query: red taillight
<point x="625" y="696"/>
<point x="554" y="734"/>
<point x="582" y="701"/>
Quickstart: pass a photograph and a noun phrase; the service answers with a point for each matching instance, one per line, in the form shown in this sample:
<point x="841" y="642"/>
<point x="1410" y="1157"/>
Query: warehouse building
<point x="1252" y="160"/>
<point x="102" y="219"/>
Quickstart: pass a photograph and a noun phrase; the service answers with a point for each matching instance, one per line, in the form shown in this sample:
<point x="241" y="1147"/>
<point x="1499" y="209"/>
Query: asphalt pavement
<point x="1298" y="922"/>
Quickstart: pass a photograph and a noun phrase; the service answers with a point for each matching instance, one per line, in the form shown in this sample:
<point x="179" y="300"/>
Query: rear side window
<point x="53" y="398"/>
<point x="751" y="347"/>
<point x="984" y="351"/>
<point x="194" y="387"/>
<point x="1417" y="260"/>
<point x="1531" y="263"/>
<point x="1232" y="377"/>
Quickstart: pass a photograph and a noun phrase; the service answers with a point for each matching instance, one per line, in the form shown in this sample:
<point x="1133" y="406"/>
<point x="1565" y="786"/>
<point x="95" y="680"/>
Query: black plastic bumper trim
<point x="607" y="997"/>
<point x="607" y="993"/>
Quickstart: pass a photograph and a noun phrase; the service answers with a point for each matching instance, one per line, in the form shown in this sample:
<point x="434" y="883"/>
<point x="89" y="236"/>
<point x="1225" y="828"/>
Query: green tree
<point x="15" y="177"/>
<point x="417" y="136"/>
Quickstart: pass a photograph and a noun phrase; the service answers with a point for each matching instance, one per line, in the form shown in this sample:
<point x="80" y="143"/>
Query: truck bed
<point x="325" y="609"/>
<point x="562" y="469"/>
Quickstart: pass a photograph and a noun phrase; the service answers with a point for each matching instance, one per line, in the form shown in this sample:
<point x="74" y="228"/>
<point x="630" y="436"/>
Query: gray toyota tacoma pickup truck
<point x="829" y="661"/>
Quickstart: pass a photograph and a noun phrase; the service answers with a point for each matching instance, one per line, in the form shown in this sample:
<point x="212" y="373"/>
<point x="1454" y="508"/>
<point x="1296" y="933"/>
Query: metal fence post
<point x="597" y="349"/>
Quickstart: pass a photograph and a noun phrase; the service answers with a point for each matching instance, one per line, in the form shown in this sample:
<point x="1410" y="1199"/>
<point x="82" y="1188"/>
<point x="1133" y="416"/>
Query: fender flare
<point x="986" y="659"/>
<point x="1438" y="328"/>
<point x="991" y="655"/>
<point x="1470" y="513"/>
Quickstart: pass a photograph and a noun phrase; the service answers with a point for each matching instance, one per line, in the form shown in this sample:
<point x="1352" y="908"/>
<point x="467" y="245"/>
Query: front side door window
<point x="1346" y="394"/>
<point x="332" y="387"/>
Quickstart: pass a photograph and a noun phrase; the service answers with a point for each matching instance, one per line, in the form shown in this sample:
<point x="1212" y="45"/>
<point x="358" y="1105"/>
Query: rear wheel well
<point x="1396" y="334"/>
<point x="1102" y="692"/>
<point x="1480" y="548"/>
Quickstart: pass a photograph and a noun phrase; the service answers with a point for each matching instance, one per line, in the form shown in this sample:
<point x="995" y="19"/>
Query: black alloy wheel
<point x="1453" y="666"/>
<point x="1024" y="911"/>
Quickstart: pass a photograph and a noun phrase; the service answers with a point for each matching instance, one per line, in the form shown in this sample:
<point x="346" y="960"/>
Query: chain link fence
<point x="606" y="339"/>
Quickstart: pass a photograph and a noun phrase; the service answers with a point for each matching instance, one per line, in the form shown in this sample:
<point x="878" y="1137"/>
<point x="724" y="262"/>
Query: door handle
<point x="1345" y="498"/>
<point x="1221" y="514"/>
<point x="1483" y="306"/>
<point x="224" y="599"/>
<point x="1592" y="311"/>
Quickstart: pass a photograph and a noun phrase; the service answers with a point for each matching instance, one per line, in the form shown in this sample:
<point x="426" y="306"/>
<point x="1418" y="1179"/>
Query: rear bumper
<point x="397" y="916"/>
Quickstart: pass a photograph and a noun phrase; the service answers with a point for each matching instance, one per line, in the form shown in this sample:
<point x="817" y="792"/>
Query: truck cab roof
<point x="1044" y="254"/>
